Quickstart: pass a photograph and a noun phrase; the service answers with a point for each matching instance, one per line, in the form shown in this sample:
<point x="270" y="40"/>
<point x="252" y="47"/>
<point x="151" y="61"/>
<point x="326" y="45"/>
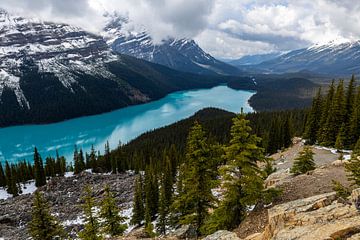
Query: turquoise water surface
<point x="17" y="143"/>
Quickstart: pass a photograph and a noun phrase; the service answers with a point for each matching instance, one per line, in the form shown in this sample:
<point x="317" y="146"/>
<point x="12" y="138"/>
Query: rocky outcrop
<point x="317" y="217"/>
<point x="222" y="235"/>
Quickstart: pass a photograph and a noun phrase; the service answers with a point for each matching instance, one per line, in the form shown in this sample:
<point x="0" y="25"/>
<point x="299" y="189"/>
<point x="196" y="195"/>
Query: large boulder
<point x="222" y="235"/>
<point x="185" y="232"/>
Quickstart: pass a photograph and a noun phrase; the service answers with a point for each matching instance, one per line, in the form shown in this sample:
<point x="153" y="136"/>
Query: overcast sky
<point x="224" y="28"/>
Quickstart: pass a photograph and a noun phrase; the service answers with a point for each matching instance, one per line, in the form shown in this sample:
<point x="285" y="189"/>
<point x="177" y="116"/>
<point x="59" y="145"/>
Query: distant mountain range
<point x="51" y="72"/>
<point x="334" y="58"/>
<point x="180" y="54"/>
<point x="253" y="59"/>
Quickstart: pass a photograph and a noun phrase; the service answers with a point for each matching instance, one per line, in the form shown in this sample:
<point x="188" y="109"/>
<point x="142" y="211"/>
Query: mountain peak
<point x="182" y="54"/>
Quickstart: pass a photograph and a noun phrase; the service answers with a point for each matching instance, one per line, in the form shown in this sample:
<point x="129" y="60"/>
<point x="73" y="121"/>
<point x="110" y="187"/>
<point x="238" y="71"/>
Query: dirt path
<point x="285" y="159"/>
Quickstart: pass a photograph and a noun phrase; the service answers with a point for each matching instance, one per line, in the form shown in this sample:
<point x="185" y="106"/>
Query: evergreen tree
<point x="40" y="178"/>
<point x="341" y="138"/>
<point x="335" y="117"/>
<point x="243" y="180"/>
<point x="138" y="207"/>
<point x="163" y="209"/>
<point x="149" y="227"/>
<point x="151" y="191"/>
<point x="12" y="187"/>
<point x="2" y="177"/>
<point x="92" y="159"/>
<point x="107" y="158"/>
<point x="79" y="162"/>
<point x="349" y="105"/>
<point x="325" y="111"/>
<point x="110" y="213"/>
<point x="92" y="226"/>
<point x="354" y="125"/>
<point x="312" y="124"/>
<point x="191" y="205"/>
<point x="304" y="162"/>
<point x="43" y="225"/>
<point x="353" y="166"/>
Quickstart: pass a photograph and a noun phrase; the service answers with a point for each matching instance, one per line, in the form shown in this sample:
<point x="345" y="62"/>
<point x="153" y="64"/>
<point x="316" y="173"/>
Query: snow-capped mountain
<point x="180" y="54"/>
<point x="336" y="58"/>
<point x="51" y="71"/>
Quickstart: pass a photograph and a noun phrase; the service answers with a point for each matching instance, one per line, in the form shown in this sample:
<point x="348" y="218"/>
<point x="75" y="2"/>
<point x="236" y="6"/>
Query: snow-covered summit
<point x="51" y="47"/>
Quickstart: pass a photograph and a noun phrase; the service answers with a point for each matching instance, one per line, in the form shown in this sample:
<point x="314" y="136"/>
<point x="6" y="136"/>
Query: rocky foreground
<point x="64" y="196"/>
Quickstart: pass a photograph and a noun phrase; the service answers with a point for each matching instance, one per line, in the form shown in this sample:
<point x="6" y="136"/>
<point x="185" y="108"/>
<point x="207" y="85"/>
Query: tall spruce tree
<point x="192" y="204"/>
<point x="107" y="157"/>
<point x="110" y="213"/>
<point x="353" y="166"/>
<point x="43" y="225"/>
<point x="349" y="104"/>
<point x="354" y="125"/>
<point x="163" y="209"/>
<point x="11" y="183"/>
<point x="325" y="111"/>
<point x="2" y="176"/>
<point x="151" y="190"/>
<point x="242" y="178"/>
<point x="138" y="206"/>
<point x="312" y="124"/>
<point x="39" y="172"/>
<point x="91" y="229"/>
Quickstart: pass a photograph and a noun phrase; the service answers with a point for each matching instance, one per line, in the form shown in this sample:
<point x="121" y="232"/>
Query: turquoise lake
<point x="17" y="143"/>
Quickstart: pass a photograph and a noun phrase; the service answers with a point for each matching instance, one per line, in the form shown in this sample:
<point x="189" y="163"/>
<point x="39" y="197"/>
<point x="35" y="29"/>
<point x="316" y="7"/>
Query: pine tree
<point x="192" y="203"/>
<point x="312" y="124"/>
<point x="304" y="162"/>
<point x="353" y="166"/>
<point x="151" y="190"/>
<point x="149" y="227"/>
<point x="243" y="180"/>
<point x="286" y="141"/>
<point x="341" y="138"/>
<point x="79" y="162"/>
<point x="354" y="125"/>
<point x="138" y="207"/>
<point x="2" y="177"/>
<point x="325" y="111"/>
<point x="40" y="178"/>
<point x="92" y="159"/>
<point x="107" y="158"/>
<point x="92" y="226"/>
<point x="349" y="105"/>
<point x="335" y="117"/>
<point x="163" y="209"/>
<point x="110" y="213"/>
<point x="12" y="187"/>
<point x="43" y="225"/>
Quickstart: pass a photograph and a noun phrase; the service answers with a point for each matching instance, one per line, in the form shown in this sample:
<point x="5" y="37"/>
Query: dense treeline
<point x="334" y="118"/>
<point x="19" y="173"/>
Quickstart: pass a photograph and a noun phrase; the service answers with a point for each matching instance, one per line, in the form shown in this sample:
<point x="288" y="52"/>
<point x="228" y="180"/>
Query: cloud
<point x="225" y="28"/>
<point x="283" y="25"/>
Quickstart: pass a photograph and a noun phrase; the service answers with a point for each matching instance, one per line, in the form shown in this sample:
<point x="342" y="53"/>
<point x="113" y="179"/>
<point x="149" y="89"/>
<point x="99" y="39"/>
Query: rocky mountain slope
<point x="50" y="72"/>
<point x="180" y="54"/>
<point x="333" y="58"/>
